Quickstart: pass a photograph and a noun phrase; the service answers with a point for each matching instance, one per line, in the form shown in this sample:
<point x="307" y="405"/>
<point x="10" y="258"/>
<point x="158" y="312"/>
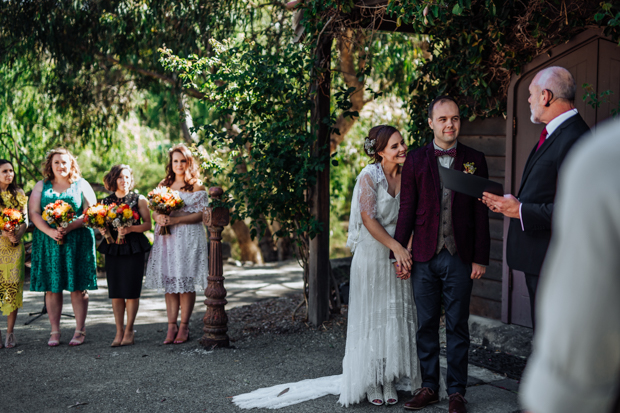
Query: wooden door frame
<point x="536" y="64"/>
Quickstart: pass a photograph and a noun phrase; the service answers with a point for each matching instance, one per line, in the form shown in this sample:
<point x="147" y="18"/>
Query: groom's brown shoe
<point x="457" y="403"/>
<point x="422" y="398"/>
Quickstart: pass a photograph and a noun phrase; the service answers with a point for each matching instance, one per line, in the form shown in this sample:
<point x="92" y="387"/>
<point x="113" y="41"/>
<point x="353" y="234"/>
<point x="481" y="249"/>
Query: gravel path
<point x="152" y="377"/>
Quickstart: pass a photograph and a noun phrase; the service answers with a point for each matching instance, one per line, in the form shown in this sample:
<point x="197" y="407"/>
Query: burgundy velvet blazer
<point x="420" y="203"/>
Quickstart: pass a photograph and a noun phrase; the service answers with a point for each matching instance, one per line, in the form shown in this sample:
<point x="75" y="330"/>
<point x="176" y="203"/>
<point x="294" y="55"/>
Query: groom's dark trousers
<point x="446" y="275"/>
<point x="450" y="232"/>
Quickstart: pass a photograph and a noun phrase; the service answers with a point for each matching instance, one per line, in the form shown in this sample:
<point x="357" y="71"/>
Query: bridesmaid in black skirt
<point x="124" y="263"/>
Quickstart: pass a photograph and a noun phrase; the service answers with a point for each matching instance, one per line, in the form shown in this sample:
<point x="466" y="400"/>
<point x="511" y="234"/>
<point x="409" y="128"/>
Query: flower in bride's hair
<point x="369" y="145"/>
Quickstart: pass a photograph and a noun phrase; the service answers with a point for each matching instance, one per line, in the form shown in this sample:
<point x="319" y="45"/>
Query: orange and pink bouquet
<point x="11" y="219"/>
<point x="122" y="216"/>
<point x="60" y="214"/>
<point x="95" y="217"/>
<point x="164" y="200"/>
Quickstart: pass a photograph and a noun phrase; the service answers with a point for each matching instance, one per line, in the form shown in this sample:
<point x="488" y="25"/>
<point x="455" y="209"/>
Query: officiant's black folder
<point x="469" y="184"/>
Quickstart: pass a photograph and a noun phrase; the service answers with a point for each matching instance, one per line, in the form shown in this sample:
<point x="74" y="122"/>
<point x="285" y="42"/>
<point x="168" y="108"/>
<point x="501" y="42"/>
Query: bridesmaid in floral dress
<point x="178" y="261"/>
<point x="11" y="257"/>
<point x="71" y="266"/>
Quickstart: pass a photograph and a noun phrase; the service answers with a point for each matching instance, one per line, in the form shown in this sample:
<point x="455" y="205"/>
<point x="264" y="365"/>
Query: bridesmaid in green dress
<point x="11" y="256"/>
<point x="71" y="266"/>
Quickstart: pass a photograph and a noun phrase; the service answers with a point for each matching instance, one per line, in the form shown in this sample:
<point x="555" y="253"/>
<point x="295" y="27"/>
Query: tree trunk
<point x="187" y="123"/>
<point x="249" y="250"/>
<point x="283" y="244"/>
<point x="347" y="45"/>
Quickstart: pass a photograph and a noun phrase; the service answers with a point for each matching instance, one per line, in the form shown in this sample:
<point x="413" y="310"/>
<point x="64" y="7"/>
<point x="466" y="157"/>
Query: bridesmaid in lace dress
<point x="178" y="261"/>
<point x="11" y="256"/>
<point x="124" y="263"/>
<point x="71" y="266"/>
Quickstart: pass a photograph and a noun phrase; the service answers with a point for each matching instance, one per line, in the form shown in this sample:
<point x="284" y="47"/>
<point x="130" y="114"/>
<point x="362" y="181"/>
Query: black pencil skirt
<point x="124" y="274"/>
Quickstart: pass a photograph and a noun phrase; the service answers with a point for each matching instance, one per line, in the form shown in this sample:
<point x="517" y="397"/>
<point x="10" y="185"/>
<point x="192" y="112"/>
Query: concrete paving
<point x="153" y="377"/>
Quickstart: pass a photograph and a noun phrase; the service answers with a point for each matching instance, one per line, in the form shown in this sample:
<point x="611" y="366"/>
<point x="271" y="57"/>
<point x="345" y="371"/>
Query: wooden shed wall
<point x="489" y="137"/>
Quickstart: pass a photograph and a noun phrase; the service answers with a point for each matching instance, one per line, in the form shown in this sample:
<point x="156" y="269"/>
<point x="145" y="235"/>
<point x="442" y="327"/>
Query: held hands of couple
<point x="403" y="262"/>
<point x="507" y="204"/>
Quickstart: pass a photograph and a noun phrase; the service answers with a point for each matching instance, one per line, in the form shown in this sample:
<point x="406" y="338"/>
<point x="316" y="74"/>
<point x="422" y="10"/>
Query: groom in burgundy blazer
<point x="450" y="249"/>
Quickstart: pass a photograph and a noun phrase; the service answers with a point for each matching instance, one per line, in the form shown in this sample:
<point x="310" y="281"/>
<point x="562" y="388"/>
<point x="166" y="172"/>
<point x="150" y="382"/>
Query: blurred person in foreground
<point x="575" y="366"/>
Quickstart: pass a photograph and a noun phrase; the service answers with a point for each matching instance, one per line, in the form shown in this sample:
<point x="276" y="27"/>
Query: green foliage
<point x="474" y="46"/>
<point x="595" y="101"/>
<point x="101" y="57"/>
<point x="268" y="153"/>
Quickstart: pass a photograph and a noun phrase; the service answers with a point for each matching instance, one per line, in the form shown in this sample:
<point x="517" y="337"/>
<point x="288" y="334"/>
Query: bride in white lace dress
<point x="380" y="347"/>
<point x="178" y="262"/>
<point x="381" y="325"/>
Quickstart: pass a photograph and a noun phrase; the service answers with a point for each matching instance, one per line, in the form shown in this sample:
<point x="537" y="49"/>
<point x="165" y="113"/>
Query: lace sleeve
<point x="199" y="203"/>
<point x="367" y="195"/>
<point x="364" y="200"/>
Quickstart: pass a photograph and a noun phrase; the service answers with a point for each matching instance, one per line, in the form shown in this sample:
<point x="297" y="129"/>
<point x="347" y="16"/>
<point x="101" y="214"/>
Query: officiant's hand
<point x="507" y="204"/>
<point x="477" y="271"/>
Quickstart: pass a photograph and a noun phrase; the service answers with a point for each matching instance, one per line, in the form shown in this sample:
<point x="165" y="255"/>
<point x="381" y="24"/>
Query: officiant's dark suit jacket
<point x="420" y="203"/>
<point x="526" y="249"/>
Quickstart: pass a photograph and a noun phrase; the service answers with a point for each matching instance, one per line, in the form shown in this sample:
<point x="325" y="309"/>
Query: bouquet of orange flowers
<point x="60" y="214"/>
<point x="164" y="200"/>
<point x="11" y="219"/>
<point x="95" y="217"/>
<point x="122" y="216"/>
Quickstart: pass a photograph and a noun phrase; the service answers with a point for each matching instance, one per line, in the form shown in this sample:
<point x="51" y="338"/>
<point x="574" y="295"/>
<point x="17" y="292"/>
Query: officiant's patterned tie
<point x="543" y="136"/>
<point x="450" y="152"/>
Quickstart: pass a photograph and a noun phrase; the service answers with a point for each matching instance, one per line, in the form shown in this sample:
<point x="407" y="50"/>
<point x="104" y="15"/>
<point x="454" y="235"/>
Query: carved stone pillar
<point x="215" y="319"/>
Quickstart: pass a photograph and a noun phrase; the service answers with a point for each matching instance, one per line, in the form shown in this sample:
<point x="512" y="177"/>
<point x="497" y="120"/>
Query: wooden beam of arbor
<point x="318" y="261"/>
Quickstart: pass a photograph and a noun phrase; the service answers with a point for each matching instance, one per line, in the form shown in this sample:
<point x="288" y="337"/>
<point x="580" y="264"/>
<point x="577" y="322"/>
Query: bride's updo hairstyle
<point x="377" y="140"/>
<point x="191" y="172"/>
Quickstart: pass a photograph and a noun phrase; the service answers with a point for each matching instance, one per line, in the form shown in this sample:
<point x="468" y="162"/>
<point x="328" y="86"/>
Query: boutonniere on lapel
<point x="469" y="168"/>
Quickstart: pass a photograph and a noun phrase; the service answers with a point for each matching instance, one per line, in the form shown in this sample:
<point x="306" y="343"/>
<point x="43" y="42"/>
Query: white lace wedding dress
<point x="178" y="262"/>
<point x="381" y="326"/>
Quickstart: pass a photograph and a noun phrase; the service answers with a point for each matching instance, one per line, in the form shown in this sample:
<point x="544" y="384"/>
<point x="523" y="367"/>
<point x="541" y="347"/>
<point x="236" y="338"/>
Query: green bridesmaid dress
<point x="71" y="266"/>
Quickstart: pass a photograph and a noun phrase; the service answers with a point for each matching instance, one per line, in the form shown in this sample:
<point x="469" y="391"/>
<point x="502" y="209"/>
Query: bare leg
<point x="53" y="303"/>
<point x="79" y="300"/>
<point x="132" y="311"/>
<point x="118" y="308"/>
<point x="172" y="310"/>
<point x="187" y="307"/>
<point x="10" y="322"/>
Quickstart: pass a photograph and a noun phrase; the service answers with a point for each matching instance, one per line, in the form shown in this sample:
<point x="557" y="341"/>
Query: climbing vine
<point x="474" y="45"/>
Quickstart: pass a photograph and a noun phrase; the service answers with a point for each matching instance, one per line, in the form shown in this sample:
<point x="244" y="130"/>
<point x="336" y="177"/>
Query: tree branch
<point x="149" y="73"/>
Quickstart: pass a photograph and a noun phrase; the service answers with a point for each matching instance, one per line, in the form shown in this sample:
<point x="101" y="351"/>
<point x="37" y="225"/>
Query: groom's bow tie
<point x="450" y="152"/>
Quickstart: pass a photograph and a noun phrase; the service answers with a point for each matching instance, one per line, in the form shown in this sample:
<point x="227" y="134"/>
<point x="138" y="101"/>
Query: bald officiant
<point x="552" y="96"/>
